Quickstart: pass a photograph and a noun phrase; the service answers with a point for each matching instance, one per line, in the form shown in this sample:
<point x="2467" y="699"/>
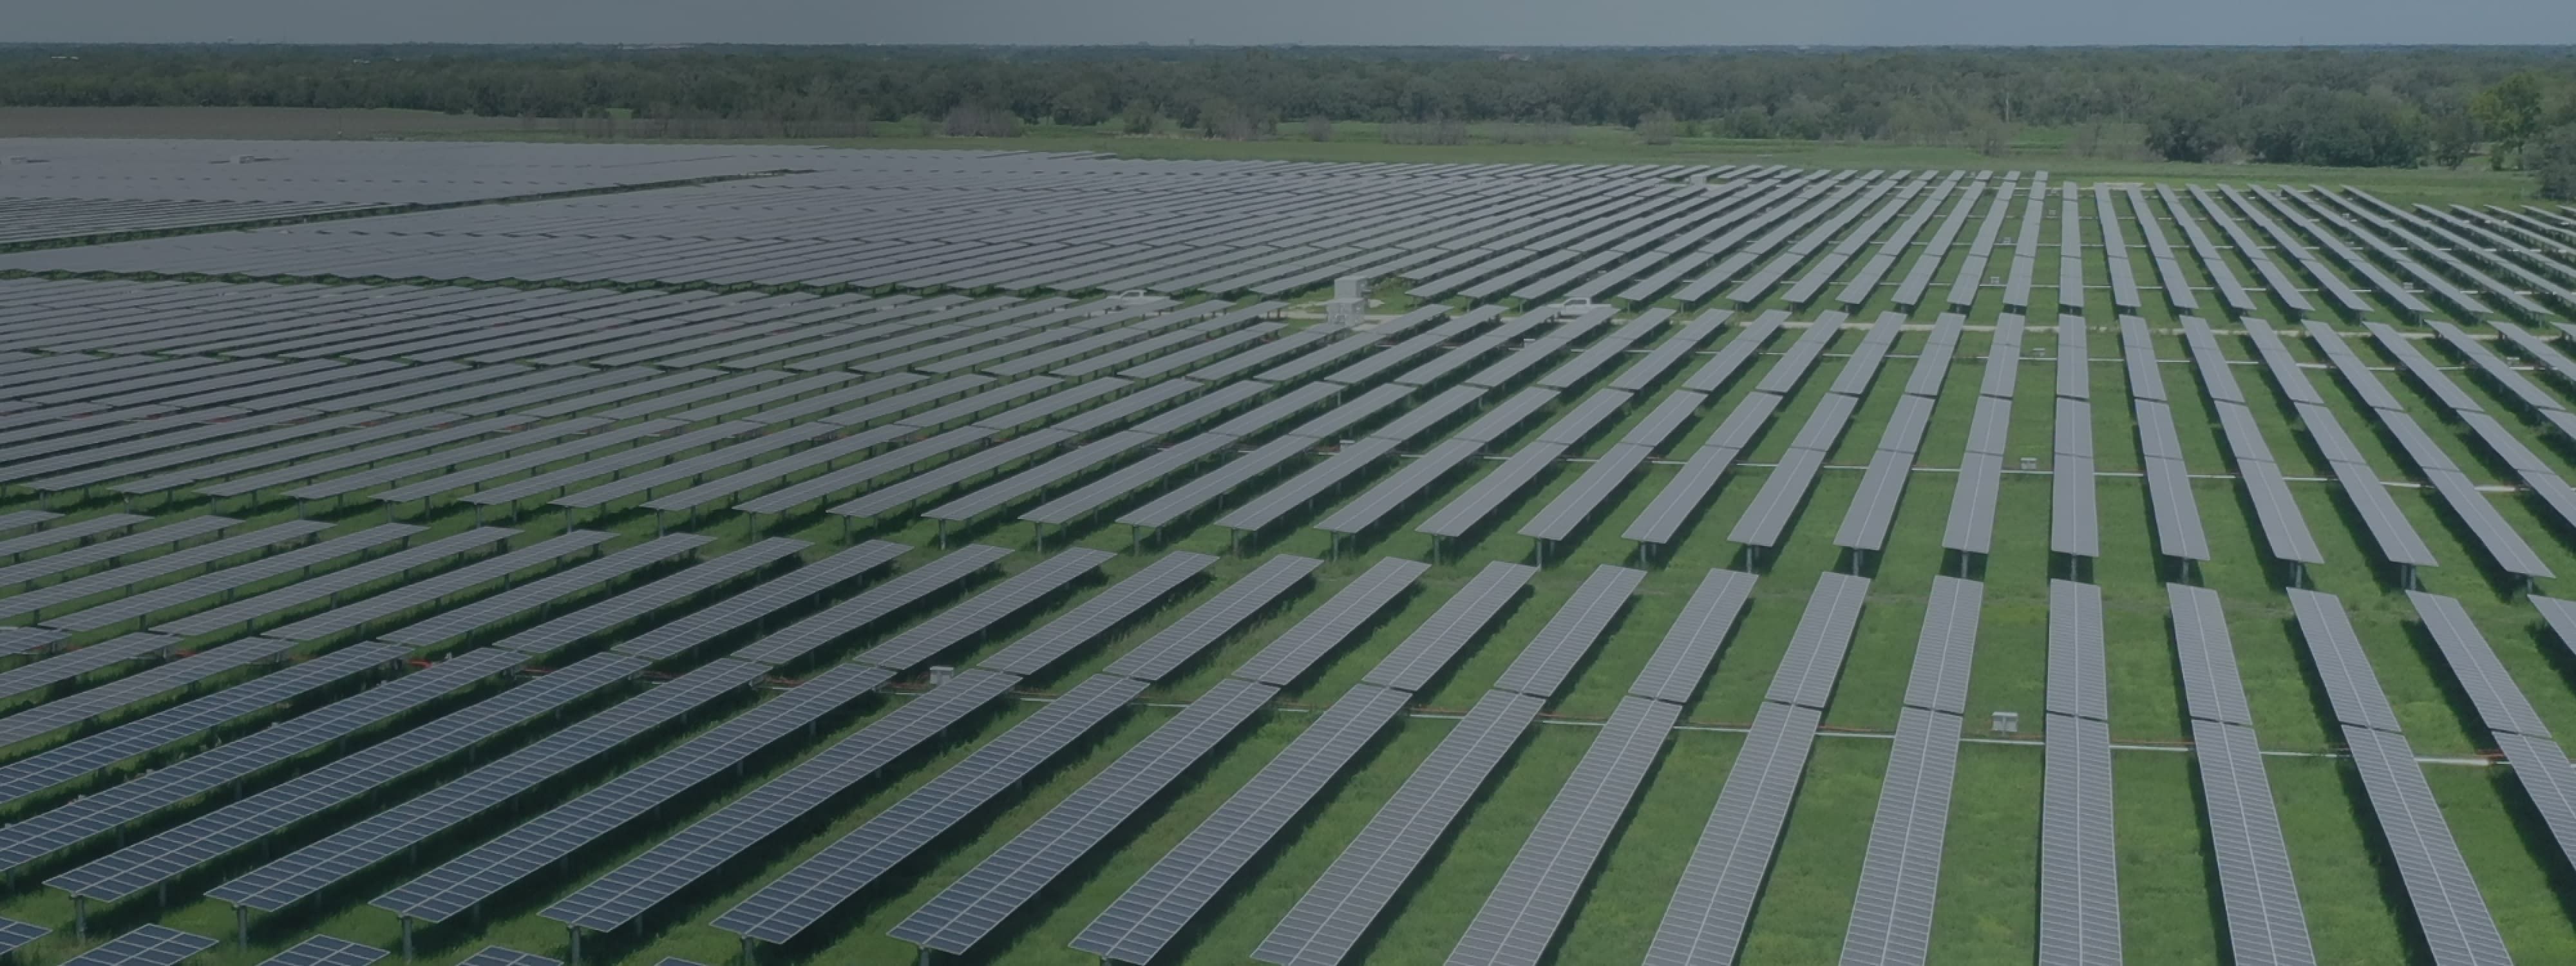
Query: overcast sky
<point x="1473" y="22"/>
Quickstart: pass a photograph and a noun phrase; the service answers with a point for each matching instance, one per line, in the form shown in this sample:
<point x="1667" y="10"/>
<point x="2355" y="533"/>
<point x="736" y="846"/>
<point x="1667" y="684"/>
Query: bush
<point x="1319" y="128"/>
<point x="1441" y="132"/>
<point x="971" y="121"/>
<point x="1657" y="127"/>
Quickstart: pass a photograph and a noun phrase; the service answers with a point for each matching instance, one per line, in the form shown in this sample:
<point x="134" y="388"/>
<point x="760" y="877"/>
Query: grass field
<point x="1988" y="907"/>
<point x="2033" y="148"/>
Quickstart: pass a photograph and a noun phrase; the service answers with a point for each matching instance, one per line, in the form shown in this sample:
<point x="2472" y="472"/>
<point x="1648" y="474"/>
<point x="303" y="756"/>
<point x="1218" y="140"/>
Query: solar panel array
<point x="1338" y="909"/>
<point x="1714" y="901"/>
<point x="2446" y="903"/>
<point x="1767" y="519"/>
<point x="2177" y="514"/>
<point x="2504" y="545"/>
<point x="805" y="343"/>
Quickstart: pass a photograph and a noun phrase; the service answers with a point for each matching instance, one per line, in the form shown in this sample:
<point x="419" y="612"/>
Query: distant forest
<point x="2335" y="106"/>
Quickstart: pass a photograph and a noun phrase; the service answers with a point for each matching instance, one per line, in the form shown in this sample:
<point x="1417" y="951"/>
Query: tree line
<point x="2330" y="106"/>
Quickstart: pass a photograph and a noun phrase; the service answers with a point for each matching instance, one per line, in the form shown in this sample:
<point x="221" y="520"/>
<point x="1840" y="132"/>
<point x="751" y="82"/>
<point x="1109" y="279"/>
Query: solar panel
<point x="544" y="591"/>
<point x="2340" y="662"/>
<point x="1336" y="911"/>
<point x="1651" y="366"/>
<point x="1493" y="491"/>
<point x="1522" y="912"/>
<point x="1438" y="639"/>
<point x="1126" y="482"/>
<point x="77" y="530"/>
<point x="1506" y="417"/>
<point x="1815" y="656"/>
<point x="39" y="675"/>
<point x="2263" y="908"/>
<point x="600" y="812"/>
<point x="1152" y="397"/>
<point x="2074" y="359"/>
<point x="2074" y="529"/>
<point x="1578" y="502"/>
<point x="499" y="956"/>
<point x="2211" y="682"/>
<point x="443" y="460"/>
<point x="1946" y="650"/>
<point x="406" y="444"/>
<point x="1792" y="366"/>
<point x="2448" y="908"/>
<point x="641" y="883"/>
<point x="1421" y="418"/>
<point x="1260" y="419"/>
<point x="792" y="904"/>
<point x="1288" y="656"/>
<point x="1176" y="644"/>
<point x="2079" y="870"/>
<point x="2138" y="353"/>
<point x="139" y="606"/>
<point x="757" y="445"/>
<point x="1901" y="873"/>
<point x="1408" y="481"/>
<point x="1542" y="665"/>
<point x="79" y="758"/>
<point x="127" y="803"/>
<point x="1140" y="922"/>
<point x="825" y="483"/>
<point x="169" y="564"/>
<point x="15" y="935"/>
<point x="1711" y="905"/>
<point x="977" y="902"/>
<point x="247" y="819"/>
<point x="427" y="592"/>
<point x="1767" y="518"/>
<point x="576" y="447"/>
<point x="2177" y="515"/>
<point x="150" y="945"/>
<point x="323" y="864"/>
<point x="326" y="951"/>
<point x="890" y="598"/>
<point x="2077" y="682"/>
<point x="2499" y="702"/>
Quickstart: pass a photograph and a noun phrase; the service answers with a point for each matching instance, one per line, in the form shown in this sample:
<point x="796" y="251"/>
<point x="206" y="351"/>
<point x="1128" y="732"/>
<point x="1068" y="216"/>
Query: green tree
<point x="2510" y="112"/>
<point x="2187" y="125"/>
<point x="2553" y="161"/>
<point x="1138" y="118"/>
